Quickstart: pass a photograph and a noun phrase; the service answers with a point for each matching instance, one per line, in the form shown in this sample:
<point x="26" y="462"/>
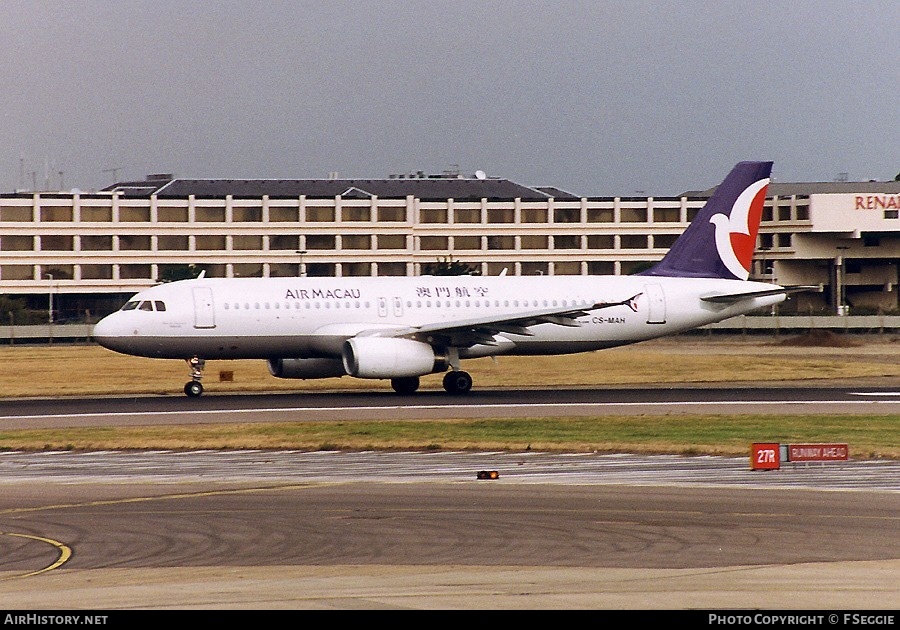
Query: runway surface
<point x="334" y="530"/>
<point x="141" y="410"/>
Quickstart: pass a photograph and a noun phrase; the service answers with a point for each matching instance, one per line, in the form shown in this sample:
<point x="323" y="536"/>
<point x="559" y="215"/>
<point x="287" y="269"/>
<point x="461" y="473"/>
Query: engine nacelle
<point x="306" y="368"/>
<point x="388" y="357"/>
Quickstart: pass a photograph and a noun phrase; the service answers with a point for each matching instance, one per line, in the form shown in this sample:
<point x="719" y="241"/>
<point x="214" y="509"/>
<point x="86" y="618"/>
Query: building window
<point x="246" y="242"/>
<point x="129" y="214"/>
<point x="392" y="214"/>
<point x="601" y="268"/>
<point x="633" y="215"/>
<point x="434" y="243"/>
<point x="244" y="214"/>
<point x="891" y="214"/>
<point x="16" y="272"/>
<point x="535" y="268"/>
<point x="284" y="215"/>
<point x="209" y="215"/>
<point x="91" y="214"/>
<point x="803" y="213"/>
<point x="784" y="213"/>
<point x="391" y="241"/>
<point x="96" y="272"/>
<point x="392" y="269"/>
<point x="132" y="242"/>
<point x="284" y="270"/>
<point x="53" y="214"/>
<point x="664" y="241"/>
<point x="356" y="241"/>
<point x="320" y="214"/>
<point x="284" y="241"/>
<point x="601" y="241"/>
<point x="17" y="243"/>
<point x="467" y="215"/>
<point x="134" y="272"/>
<point x="433" y="215"/>
<point x="629" y="267"/>
<point x="534" y="215"/>
<point x="501" y="242"/>
<point x="534" y="241"/>
<point x="351" y="213"/>
<point x="320" y="270"/>
<point x="57" y="243"/>
<point x="666" y="215"/>
<point x="600" y="215"/>
<point x="496" y="268"/>
<point x="633" y="241"/>
<point x="321" y="241"/>
<point x="567" y="268"/>
<point x="356" y="269"/>
<point x="466" y="242"/>
<point x="59" y="272"/>
<point x="567" y="215"/>
<point x="566" y="241"/>
<point x="17" y="214"/>
<point x="215" y="242"/>
<point x="97" y="243"/>
<point x="247" y="270"/>
<point x="767" y="213"/>
<point x="501" y="215"/>
<point x="170" y="215"/>
<point x="173" y="243"/>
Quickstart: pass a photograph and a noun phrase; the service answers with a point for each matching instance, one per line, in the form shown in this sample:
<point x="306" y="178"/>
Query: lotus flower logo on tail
<point x="736" y="234"/>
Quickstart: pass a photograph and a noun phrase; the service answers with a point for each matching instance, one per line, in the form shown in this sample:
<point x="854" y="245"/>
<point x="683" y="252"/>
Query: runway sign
<point x="765" y="456"/>
<point x="818" y="452"/>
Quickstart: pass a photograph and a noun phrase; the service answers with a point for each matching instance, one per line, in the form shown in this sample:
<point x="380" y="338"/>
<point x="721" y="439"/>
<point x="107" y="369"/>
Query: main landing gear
<point x="455" y="382"/>
<point x="194" y="388"/>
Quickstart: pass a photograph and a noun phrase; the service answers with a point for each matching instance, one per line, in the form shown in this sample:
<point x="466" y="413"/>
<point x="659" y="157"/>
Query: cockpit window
<point x="146" y="305"/>
<point x="130" y="306"/>
<point x="160" y="306"/>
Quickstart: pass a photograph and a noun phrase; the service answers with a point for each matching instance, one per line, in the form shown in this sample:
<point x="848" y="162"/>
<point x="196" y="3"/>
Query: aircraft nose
<point x="107" y="332"/>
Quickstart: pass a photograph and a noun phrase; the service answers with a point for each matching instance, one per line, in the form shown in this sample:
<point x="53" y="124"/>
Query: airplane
<point x="403" y="328"/>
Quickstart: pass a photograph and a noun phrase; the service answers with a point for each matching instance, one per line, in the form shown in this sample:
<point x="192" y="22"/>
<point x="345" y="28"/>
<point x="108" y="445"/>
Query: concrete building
<point x="74" y="252"/>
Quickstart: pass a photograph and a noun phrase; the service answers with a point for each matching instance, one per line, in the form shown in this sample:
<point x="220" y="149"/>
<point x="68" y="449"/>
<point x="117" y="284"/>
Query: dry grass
<point x="87" y="370"/>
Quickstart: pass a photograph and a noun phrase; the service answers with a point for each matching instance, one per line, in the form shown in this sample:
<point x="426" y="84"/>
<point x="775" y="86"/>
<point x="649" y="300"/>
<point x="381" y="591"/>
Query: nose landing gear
<point x="194" y="388"/>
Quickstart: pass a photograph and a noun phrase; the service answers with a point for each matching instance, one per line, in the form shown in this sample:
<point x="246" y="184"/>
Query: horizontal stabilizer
<point x="730" y="298"/>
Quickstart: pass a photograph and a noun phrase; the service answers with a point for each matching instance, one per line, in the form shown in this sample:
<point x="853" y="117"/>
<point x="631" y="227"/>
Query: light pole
<point x="302" y="252"/>
<point x="50" y="293"/>
<point x="839" y="277"/>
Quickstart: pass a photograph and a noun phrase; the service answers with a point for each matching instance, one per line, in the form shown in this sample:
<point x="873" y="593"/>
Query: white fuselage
<point x="266" y="318"/>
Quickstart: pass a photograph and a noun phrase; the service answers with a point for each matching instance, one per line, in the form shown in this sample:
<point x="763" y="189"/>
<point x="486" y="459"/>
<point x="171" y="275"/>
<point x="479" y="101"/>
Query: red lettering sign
<point x="765" y="456"/>
<point x="818" y="452"/>
<point x="876" y="202"/>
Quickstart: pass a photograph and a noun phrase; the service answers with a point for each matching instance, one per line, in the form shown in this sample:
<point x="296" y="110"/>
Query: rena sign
<point x="876" y="202"/>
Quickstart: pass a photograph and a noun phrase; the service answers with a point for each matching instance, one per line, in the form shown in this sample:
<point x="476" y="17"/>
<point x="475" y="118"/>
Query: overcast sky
<point x="598" y="98"/>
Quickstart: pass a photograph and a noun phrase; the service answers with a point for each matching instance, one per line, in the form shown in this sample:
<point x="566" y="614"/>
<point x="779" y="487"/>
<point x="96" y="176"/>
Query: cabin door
<point x="204" y="314"/>
<point x="656" y="313"/>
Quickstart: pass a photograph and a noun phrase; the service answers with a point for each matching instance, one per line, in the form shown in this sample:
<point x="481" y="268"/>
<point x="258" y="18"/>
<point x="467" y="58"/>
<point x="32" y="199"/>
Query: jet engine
<point x="306" y="368"/>
<point x="388" y="357"/>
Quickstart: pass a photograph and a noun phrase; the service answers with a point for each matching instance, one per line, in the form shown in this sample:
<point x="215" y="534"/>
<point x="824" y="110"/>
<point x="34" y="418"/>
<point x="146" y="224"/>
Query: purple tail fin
<point x="719" y="242"/>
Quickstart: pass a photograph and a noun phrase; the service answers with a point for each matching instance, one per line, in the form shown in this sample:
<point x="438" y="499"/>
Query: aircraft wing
<point x="469" y="332"/>
<point x="730" y="298"/>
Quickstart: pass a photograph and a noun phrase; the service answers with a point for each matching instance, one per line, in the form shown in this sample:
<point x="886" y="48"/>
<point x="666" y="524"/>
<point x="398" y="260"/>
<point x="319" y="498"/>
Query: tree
<point x="171" y="273"/>
<point x="449" y="267"/>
